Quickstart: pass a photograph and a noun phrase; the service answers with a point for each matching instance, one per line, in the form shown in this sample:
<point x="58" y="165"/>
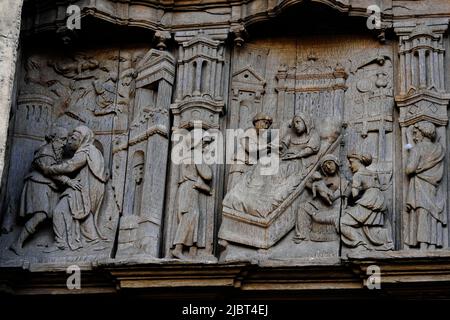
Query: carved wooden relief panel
<point x="334" y="184"/>
<point x="333" y="152"/>
<point x="90" y="143"/>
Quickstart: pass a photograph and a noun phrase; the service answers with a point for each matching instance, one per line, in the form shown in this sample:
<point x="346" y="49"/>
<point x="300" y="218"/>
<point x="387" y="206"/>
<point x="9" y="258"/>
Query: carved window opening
<point x="204" y="77"/>
<point x="138" y="176"/>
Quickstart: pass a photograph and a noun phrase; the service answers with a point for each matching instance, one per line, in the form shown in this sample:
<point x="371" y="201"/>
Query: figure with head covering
<point x="75" y="216"/>
<point x="194" y="179"/>
<point x="258" y="194"/>
<point x="305" y="140"/>
<point x="251" y="145"/>
<point x="40" y="192"/>
<point x="363" y="223"/>
<point x="299" y="144"/>
<point x="425" y="168"/>
<point x="317" y="218"/>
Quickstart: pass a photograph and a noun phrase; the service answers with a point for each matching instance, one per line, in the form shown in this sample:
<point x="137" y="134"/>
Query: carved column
<point x="199" y="101"/>
<point x="147" y="156"/>
<point x="423" y="101"/>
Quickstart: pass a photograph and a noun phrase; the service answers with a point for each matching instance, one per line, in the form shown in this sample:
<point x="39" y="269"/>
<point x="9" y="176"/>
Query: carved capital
<point x="197" y="109"/>
<point x="239" y="32"/>
<point x="161" y="37"/>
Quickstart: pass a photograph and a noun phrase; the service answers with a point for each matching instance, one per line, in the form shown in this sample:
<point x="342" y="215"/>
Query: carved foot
<point x="223" y="244"/>
<point x="178" y="253"/>
<point x="192" y="251"/>
<point x="92" y="242"/>
<point x="75" y="246"/>
<point x="51" y="250"/>
<point x="299" y="239"/>
<point x="60" y="245"/>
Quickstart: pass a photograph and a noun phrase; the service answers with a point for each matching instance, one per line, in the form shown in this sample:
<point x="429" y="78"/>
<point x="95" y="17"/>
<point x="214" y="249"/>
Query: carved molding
<point x="153" y="67"/>
<point x="243" y="13"/>
<point x="428" y="105"/>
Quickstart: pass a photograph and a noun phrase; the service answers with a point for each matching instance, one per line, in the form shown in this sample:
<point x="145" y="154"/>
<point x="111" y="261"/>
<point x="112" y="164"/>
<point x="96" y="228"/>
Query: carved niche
<point x="191" y="220"/>
<point x="423" y="102"/>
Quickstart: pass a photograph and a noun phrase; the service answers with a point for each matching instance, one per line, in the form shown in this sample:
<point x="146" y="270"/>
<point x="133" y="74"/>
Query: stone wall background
<point x="10" y="21"/>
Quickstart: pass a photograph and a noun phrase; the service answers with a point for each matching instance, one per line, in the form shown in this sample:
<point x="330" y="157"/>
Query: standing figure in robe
<point x="425" y="168"/>
<point x="194" y="180"/>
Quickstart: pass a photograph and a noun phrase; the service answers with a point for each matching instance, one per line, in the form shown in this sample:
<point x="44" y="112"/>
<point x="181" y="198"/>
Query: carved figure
<point x="105" y="99"/>
<point x="40" y="192"/>
<point x="425" y="169"/>
<point x="249" y="143"/>
<point x="194" y="179"/>
<point x="74" y="67"/>
<point x="75" y="215"/>
<point x="363" y="222"/>
<point x="258" y="194"/>
<point x="317" y="218"/>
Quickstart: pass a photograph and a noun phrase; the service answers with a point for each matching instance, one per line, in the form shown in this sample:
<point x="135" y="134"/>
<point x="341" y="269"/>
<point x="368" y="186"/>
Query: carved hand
<point x="324" y="192"/>
<point x="289" y="156"/>
<point x="45" y="170"/>
<point x="74" y="184"/>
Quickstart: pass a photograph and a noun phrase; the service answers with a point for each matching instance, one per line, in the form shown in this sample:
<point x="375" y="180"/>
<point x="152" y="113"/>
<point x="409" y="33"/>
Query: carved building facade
<point x="352" y="97"/>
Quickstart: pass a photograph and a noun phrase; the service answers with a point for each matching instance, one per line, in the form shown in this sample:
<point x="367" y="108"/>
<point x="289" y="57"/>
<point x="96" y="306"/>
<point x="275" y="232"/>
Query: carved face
<point x="59" y="143"/>
<point x="355" y="164"/>
<point x="262" y="124"/>
<point x="329" y="167"/>
<point x="417" y="135"/>
<point x="299" y="125"/>
<point x="74" y="141"/>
